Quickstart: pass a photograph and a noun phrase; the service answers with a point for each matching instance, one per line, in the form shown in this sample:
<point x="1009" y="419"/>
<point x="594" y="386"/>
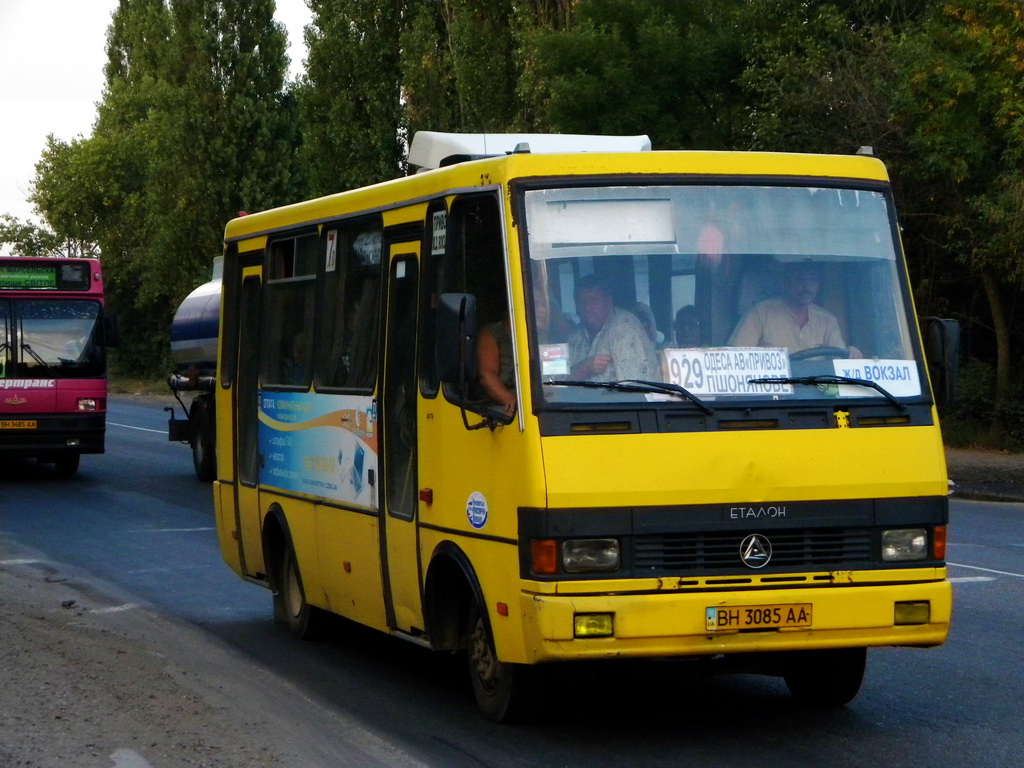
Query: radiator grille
<point x="813" y="548"/>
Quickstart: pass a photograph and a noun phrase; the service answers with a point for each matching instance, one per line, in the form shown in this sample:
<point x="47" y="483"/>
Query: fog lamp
<point x="590" y="555"/>
<point x="592" y="625"/>
<point x="904" y="544"/>
<point x="87" y="404"/>
<point x="912" y="613"/>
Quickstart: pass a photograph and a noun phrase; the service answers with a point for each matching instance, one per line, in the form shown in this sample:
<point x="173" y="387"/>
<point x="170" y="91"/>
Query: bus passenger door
<point x="399" y="545"/>
<point x="246" y="406"/>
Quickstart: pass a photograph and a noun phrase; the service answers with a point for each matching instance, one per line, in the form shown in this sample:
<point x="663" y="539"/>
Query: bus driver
<point x="793" y="320"/>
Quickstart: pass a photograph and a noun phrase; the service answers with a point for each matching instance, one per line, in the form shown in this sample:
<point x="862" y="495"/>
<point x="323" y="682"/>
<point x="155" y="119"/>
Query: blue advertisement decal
<point x="320" y="445"/>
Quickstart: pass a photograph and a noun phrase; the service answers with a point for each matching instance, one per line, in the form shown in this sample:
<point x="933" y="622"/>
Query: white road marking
<point x="141" y="429"/>
<point x="987" y="570"/>
<point x="18" y="562"/>
<point x="171" y="530"/>
<point x="115" y="608"/>
<point x="129" y="758"/>
<point x="963" y="579"/>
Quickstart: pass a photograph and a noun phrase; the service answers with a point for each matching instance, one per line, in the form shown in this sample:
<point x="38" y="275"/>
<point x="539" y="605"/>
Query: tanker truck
<point x="194" y="352"/>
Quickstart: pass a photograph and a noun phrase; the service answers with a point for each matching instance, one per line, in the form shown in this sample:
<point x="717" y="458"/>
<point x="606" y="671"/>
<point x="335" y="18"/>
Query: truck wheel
<point x="828" y="678"/>
<point x="202" y="438"/>
<point x="503" y="691"/>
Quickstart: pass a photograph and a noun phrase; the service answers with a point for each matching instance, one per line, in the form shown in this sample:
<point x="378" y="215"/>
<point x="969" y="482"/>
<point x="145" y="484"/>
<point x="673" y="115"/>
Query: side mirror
<point x="942" y="353"/>
<point x="111" y="331"/>
<point x="456" y="338"/>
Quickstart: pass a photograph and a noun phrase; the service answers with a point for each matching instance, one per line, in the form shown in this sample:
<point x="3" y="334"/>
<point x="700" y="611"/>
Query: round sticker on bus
<point x="476" y="510"/>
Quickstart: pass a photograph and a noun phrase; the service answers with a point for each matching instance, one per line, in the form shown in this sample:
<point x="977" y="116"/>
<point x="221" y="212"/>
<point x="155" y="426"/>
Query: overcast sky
<point x="52" y="54"/>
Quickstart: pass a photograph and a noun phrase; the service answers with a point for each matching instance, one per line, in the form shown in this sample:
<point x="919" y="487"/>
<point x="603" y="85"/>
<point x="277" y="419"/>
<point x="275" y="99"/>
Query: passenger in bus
<point x="494" y="364"/>
<point x="646" y="317"/>
<point x="295" y="368"/>
<point x="793" y="320"/>
<point x="609" y="344"/>
<point x="686" y="327"/>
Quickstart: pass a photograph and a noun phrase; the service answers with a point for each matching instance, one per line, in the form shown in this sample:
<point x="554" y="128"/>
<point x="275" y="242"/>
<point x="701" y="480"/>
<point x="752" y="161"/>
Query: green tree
<point x="429" y="88"/>
<point x="471" y="65"/>
<point x="195" y="125"/>
<point x="666" y="68"/>
<point x="350" y="99"/>
<point x="25" y="238"/>
<point x="961" y="100"/>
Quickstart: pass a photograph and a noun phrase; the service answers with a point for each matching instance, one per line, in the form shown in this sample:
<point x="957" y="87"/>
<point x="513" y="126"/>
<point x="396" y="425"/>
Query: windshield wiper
<point x="830" y="379"/>
<point x="636" y="385"/>
<point x="26" y="347"/>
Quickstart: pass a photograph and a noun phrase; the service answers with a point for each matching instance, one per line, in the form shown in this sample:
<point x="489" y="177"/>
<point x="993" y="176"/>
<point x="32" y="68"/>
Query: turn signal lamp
<point x="88" y="404"/>
<point x="544" y="556"/>
<point x="939" y="542"/>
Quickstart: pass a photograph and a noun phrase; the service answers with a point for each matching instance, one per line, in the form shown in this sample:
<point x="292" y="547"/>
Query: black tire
<point x="66" y="464"/>
<point x="828" y="678"/>
<point x="305" y="621"/>
<point x="202" y="438"/>
<point x="503" y="691"/>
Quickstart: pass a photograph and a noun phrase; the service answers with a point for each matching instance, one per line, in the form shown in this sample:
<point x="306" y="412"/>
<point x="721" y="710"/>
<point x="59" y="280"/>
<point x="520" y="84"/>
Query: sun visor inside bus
<point x="433" y="149"/>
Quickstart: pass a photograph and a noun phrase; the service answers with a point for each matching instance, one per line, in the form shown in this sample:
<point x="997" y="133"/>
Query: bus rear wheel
<point x="827" y="678"/>
<point x="503" y="691"/>
<point x="304" y="620"/>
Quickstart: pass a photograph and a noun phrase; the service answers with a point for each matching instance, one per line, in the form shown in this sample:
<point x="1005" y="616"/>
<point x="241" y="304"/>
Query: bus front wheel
<point x="503" y="691"/>
<point x="828" y="678"/>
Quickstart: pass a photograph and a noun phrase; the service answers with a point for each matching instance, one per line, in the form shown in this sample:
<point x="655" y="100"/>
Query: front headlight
<point x="590" y="555"/>
<point x="904" y="544"/>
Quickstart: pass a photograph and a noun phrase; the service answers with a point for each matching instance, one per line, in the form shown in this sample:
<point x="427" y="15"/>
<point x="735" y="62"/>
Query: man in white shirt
<point x="793" y="321"/>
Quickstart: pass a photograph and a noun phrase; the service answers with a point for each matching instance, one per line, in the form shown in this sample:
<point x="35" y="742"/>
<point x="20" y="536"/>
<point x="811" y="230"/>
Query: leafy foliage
<point x="197" y="122"/>
<point x="350" y="106"/>
<point x="195" y="125"/>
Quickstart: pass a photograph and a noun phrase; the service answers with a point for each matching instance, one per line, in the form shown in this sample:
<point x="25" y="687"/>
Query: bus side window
<point x="287" y="338"/>
<point x="475" y="264"/>
<point x="431" y="288"/>
<point x="351" y="301"/>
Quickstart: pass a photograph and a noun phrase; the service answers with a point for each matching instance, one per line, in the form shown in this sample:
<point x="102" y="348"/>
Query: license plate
<point x="734" y="618"/>
<point x="17" y="424"/>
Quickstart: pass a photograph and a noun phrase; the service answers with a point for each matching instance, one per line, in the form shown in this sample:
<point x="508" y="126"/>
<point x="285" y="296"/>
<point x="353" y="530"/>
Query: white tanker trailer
<point x="194" y="351"/>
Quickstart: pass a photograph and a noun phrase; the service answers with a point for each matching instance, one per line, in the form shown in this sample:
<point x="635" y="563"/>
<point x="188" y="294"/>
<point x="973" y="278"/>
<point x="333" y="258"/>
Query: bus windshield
<point x="50" y="339"/>
<point x="734" y="293"/>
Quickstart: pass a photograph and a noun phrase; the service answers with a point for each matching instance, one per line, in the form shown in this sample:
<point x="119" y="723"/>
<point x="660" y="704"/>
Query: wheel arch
<point x="450" y="588"/>
<point x="277" y="538"/>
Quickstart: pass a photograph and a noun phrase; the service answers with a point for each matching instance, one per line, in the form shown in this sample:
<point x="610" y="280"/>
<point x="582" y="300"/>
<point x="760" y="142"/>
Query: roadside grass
<point x="118" y="385"/>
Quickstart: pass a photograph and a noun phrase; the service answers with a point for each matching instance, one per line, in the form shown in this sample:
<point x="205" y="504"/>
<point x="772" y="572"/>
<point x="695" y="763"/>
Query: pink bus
<point x="53" y="359"/>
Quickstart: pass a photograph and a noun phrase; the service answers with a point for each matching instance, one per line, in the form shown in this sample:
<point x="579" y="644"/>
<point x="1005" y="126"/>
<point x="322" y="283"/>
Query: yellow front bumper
<point x="674" y="623"/>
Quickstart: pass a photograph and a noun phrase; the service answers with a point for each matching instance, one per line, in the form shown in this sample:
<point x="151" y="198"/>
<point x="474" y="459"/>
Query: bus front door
<point x="399" y="550"/>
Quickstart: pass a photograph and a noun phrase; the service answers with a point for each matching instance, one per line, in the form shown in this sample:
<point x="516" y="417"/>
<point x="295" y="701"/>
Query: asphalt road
<point x="137" y="518"/>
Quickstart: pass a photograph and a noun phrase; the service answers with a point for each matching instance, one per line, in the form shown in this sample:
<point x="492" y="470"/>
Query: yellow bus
<point x="716" y="438"/>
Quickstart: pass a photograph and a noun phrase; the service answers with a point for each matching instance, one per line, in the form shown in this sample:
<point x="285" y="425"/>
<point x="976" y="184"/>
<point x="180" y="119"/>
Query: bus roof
<point x="707" y="165"/>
